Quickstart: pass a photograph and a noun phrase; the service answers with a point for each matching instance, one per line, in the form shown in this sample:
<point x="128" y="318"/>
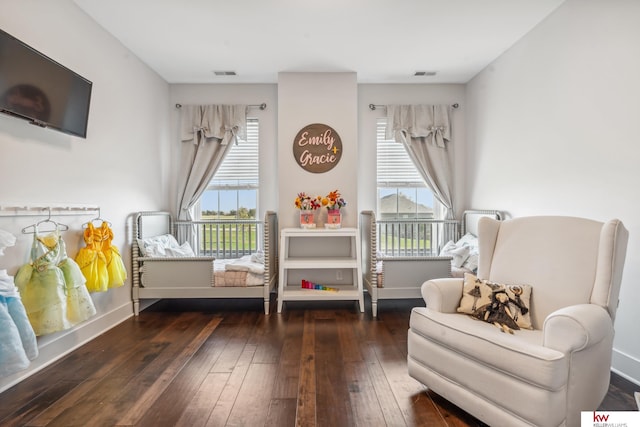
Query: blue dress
<point x="18" y="345"/>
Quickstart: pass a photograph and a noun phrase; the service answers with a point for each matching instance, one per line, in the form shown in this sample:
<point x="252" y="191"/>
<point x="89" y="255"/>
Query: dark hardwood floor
<point x="224" y="363"/>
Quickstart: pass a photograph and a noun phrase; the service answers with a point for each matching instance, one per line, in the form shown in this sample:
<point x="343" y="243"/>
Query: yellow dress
<point x="92" y="261"/>
<point x="115" y="266"/>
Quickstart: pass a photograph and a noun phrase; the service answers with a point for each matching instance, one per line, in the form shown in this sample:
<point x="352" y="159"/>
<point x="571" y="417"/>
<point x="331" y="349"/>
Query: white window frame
<point x="395" y="170"/>
<point x="242" y="164"/>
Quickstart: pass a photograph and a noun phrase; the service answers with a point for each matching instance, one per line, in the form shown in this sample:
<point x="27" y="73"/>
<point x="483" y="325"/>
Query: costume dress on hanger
<point x="115" y="266"/>
<point x="18" y="343"/>
<point x="42" y="287"/>
<point x="92" y="261"/>
<point x="79" y="303"/>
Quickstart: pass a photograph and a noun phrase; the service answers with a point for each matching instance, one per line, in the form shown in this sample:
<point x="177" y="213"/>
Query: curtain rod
<point x="260" y="106"/>
<point x="373" y="106"/>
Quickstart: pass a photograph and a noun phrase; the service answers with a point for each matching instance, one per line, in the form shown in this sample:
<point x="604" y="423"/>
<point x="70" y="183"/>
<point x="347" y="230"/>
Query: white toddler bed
<point x="162" y="268"/>
<point x="388" y="275"/>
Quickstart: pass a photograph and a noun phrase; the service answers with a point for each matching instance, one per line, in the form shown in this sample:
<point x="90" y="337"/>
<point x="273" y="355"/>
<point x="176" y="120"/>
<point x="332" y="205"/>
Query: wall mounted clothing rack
<point x="51" y="210"/>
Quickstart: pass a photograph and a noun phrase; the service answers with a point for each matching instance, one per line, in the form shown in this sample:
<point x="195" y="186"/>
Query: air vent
<point x="224" y="73"/>
<point x="425" y="73"/>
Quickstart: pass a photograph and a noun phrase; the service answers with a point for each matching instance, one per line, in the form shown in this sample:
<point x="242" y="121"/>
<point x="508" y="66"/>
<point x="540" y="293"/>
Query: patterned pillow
<point x="476" y="293"/>
<point x="496" y="302"/>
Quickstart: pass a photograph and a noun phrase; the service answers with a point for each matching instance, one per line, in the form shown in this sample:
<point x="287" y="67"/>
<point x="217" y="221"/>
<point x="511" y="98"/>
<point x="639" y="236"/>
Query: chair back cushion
<point x="566" y="260"/>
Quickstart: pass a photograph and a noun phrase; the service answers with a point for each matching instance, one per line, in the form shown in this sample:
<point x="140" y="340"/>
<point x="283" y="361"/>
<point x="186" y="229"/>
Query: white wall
<point x="250" y="94"/>
<point x="121" y="166"/>
<point x="552" y="129"/>
<point x="387" y="94"/>
<point x="303" y="99"/>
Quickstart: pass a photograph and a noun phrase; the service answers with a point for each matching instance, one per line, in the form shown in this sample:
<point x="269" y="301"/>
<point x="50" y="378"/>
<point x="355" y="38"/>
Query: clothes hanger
<point x="98" y="218"/>
<point x="33" y="228"/>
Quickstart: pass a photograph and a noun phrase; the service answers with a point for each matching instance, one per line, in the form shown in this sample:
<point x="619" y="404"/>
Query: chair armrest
<point x="443" y="294"/>
<point x="576" y="327"/>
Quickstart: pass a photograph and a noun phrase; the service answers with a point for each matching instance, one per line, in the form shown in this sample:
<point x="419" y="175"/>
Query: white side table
<point x="309" y="261"/>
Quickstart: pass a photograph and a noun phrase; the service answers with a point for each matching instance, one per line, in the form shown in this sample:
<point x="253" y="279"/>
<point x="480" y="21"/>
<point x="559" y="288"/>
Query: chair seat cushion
<point x="520" y="355"/>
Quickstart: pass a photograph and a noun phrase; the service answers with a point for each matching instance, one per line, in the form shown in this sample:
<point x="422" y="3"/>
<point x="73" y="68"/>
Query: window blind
<point x="240" y="167"/>
<point x="394" y="166"/>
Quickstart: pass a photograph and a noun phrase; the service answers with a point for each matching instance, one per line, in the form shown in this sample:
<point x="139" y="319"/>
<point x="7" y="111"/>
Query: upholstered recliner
<point x="543" y="376"/>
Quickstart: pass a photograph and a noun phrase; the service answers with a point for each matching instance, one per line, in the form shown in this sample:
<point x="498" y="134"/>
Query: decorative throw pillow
<point x="496" y="302"/>
<point x="519" y="303"/>
<point x="476" y="293"/>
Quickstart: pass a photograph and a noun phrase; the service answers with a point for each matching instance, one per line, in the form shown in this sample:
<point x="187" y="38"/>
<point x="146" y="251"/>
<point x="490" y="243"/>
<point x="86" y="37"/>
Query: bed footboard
<point x="398" y="277"/>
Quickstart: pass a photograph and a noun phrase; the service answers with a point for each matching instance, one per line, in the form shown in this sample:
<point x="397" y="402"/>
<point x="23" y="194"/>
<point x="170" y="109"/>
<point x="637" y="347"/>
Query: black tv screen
<point x="36" y="88"/>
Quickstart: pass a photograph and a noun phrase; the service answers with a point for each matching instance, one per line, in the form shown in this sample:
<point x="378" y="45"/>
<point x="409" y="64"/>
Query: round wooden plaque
<point x="317" y="148"/>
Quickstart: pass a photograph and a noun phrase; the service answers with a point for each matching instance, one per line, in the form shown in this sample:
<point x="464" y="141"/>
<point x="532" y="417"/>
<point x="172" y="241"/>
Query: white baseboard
<point x="54" y="348"/>
<point x="626" y="366"/>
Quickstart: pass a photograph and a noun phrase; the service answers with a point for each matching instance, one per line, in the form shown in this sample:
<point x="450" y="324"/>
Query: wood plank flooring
<point x="224" y="363"/>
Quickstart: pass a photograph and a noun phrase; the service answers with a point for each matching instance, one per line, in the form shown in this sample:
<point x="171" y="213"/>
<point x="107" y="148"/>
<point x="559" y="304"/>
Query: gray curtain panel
<point x="206" y="137"/>
<point x="425" y="131"/>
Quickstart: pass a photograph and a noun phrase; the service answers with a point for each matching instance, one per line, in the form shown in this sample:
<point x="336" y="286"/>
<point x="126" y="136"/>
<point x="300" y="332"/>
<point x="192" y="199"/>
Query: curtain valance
<point x="419" y="121"/>
<point x="223" y="122"/>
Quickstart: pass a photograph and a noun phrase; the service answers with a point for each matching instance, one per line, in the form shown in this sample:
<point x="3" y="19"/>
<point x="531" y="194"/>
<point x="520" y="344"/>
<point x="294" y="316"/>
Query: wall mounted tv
<point x="36" y="88"/>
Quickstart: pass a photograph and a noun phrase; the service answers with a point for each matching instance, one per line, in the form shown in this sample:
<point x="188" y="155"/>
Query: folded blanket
<point x="245" y="264"/>
<point x="258" y="257"/>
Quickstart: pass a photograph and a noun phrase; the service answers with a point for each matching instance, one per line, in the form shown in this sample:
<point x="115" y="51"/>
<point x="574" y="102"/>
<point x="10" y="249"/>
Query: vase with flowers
<point x="307" y="206"/>
<point x="333" y="202"/>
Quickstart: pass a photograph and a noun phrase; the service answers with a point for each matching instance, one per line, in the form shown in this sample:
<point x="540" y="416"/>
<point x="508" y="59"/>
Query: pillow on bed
<point x="468" y="240"/>
<point x="471" y="263"/>
<point x="464" y="252"/>
<point x="460" y="253"/>
<point x="164" y="245"/>
<point x="184" y="250"/>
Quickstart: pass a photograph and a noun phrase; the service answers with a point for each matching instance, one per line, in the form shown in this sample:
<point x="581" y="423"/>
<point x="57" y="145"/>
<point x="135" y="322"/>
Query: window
<point x="233" y="191"/>
<point x="402" y="194"/>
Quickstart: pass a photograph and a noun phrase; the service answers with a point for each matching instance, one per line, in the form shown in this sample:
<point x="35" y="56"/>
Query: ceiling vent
<point x="224" y="73"/>
<point x="425" y="73"/>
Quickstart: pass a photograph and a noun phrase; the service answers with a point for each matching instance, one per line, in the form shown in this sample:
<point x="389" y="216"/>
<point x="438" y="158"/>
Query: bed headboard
<point x="471" y="217"/>
<point x="149" y="224"/>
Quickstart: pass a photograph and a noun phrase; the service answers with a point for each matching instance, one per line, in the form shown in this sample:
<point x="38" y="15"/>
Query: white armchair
<point x="544" y="376"/>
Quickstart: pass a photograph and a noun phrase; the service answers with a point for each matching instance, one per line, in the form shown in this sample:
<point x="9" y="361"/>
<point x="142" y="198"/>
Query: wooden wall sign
<point x="317" y="148"/>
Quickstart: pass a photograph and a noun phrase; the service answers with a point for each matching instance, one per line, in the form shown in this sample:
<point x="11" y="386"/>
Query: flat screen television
<point x="37" y="88"/>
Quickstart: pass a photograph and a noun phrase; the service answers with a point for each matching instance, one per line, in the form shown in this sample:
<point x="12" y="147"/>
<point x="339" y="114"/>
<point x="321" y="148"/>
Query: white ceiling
<point x="383" y="41"/>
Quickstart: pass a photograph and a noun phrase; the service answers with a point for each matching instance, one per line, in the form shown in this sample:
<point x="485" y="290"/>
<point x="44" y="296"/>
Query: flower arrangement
<point x="304" y="202"/>
<point x="333" y="200"/>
